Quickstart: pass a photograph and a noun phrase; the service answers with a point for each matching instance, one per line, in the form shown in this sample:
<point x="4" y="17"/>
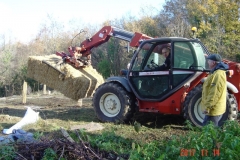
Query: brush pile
<point x="65" y="148"/>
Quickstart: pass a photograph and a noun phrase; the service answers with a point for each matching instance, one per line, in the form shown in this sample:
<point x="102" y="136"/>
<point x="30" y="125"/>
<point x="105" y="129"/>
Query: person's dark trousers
<point x="214" y="119"/>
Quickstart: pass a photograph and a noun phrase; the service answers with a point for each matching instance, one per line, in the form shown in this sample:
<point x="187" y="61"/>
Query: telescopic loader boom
<point x="102" y="36"/>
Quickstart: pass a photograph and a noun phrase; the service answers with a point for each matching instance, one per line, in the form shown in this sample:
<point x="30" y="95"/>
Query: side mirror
<point x="123" y="72"/>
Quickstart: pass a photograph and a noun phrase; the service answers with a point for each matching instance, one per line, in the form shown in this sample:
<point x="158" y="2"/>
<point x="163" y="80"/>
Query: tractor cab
<point x="187" y="59"/>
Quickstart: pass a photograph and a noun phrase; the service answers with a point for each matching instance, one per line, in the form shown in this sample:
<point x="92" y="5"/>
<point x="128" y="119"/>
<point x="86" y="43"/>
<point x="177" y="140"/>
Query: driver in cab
<point x="166" y="53"/>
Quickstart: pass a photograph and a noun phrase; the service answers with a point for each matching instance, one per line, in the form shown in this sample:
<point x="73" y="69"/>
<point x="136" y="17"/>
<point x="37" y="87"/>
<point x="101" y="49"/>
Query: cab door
<point x="188" y="61"/>
<point x="147" y="82"/>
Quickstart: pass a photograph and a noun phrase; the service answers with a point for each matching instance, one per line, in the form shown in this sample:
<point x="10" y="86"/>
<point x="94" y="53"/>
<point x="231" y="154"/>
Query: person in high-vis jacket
<point x="214" y="90"/>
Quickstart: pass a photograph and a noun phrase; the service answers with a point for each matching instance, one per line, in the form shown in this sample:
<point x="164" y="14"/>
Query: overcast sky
<point x="21" y="19"/>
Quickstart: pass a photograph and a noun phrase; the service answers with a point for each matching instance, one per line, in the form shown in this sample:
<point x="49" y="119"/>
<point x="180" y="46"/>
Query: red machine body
<point x="235" y="78"/>
<point x="173" y="104"/>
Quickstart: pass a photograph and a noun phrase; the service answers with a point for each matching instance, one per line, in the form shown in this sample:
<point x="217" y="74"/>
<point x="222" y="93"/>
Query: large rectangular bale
<point x="73" y="83"/>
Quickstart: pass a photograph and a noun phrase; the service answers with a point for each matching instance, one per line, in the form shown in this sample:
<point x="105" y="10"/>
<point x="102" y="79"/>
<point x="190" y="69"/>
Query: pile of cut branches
<point x="64" y="148"/>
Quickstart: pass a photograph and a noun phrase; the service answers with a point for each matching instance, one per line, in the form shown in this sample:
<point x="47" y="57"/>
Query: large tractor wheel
<point x="193" y="112"/>
<point x="112" y="103"/>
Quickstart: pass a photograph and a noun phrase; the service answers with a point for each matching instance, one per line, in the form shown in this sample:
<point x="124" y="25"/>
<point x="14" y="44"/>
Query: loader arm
<point x="80" y="56"/>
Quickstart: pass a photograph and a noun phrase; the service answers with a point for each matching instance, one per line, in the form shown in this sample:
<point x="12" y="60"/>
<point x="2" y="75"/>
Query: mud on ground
<point x="58" y="107"/>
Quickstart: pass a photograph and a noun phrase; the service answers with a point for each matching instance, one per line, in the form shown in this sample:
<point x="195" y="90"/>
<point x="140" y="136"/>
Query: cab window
<point x="183" y="56"/>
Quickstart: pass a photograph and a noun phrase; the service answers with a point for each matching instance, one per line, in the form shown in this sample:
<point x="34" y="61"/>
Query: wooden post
<point x="38" y="86"/>
<point x="80" y="102"/>
<point x="24" y="93"/>
<point x="6" y="91"/>
<point x="44" y="89"/>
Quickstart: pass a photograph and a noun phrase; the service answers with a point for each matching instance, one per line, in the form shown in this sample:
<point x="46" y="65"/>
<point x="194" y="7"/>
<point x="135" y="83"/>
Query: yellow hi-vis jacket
<point x="214" y="93"/>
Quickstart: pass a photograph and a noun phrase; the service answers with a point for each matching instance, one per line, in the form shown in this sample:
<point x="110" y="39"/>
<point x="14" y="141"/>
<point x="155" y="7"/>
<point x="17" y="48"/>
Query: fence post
<point x="24" y="93"/>
<point x="44" y="89"/>
<point x="80" y="102"/>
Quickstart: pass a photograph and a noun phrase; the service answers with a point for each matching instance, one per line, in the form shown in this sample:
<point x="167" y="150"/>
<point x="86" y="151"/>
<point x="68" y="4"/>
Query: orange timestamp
<point x="204" y="152"/>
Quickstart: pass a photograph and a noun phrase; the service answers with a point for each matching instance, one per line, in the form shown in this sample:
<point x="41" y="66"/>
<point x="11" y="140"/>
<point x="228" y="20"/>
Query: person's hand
<point x="205" y="112"/>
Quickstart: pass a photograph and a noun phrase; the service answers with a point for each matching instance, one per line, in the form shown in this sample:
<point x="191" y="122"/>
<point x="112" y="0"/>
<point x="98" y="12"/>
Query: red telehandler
<point x="177" y="90"/>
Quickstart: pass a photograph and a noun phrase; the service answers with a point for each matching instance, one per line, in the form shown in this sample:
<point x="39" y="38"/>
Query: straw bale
<point x="73" y="83"/>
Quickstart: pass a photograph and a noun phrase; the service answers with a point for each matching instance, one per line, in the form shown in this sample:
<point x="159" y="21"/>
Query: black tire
<point x="193" y="112"/>
<point x="112" y="103"/>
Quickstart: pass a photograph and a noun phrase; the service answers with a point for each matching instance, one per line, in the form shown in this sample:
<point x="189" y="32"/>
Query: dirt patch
<point x="88" y="127"/>
<point x="57" y="111"/>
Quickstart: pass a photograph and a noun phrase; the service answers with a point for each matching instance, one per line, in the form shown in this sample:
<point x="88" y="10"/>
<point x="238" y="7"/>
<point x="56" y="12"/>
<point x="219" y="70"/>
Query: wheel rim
<point x="198" y="111"/>
<point x="110" y="104"/>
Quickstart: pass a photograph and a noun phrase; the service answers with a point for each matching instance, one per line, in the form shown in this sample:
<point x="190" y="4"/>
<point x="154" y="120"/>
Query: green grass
<point x="224" y="141"/>
<point x="206" y="143"/>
